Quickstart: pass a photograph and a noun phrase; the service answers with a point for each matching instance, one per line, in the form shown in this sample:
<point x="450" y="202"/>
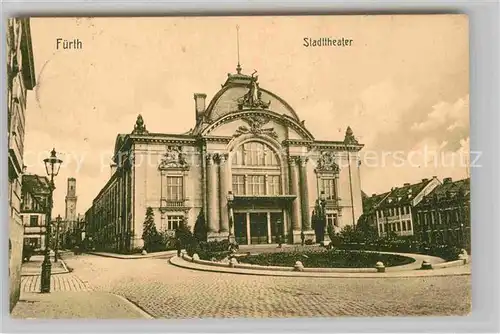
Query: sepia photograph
<point x="239" y="166"/>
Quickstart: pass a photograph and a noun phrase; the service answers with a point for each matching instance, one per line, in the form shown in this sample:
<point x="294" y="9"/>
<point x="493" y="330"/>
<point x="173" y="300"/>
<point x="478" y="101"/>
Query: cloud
<point x="444" y="115"/>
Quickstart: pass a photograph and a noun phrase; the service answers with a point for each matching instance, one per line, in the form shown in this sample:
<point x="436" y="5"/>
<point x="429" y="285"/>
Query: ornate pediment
<point x="255" y="126"/>
<point x="173" y="158"/>
<point x="326" y="163"/>
<point x="253" y="98"/>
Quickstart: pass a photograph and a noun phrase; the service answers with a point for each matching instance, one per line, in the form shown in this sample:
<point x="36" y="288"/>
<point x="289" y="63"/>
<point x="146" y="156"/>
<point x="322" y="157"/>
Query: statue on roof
<point x="253" y="98"/>
<point x="139" y="127"/>
<point x="349" y="136"/>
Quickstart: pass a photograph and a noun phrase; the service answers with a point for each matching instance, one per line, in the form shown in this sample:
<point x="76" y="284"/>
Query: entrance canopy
<point x="262" y="200"/>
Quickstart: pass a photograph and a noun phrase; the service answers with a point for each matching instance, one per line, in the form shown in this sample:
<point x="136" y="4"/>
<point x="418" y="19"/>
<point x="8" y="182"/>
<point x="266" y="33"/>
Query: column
<point x="248" y="229"/>
<point x="269" y="238"/>
<point x="223" y="191"/>
<point x="212" y="221"/>
<point x="294" y="189"/>
<point x="304" y="195"/>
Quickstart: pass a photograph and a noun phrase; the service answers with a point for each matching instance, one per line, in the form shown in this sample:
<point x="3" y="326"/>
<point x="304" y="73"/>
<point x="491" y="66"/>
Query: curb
<point x="134" y="306"/>
<point x="132" y="257"/>
<point x="182" y="263"/>
<point x="66" y="270"/>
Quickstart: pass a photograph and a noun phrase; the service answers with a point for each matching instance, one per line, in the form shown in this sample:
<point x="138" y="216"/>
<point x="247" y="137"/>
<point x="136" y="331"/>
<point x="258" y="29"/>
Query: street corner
<point x="81" y="304"/>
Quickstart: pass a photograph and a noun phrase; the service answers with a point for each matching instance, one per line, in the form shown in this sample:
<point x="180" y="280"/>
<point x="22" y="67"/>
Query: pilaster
<point x="212" y="219"/>
<point x="296" y="209"/>
<point x="223" y="191"/>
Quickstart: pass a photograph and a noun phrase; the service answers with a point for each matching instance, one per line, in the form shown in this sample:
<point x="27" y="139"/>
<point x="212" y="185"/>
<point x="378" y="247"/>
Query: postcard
<point x="252" y="166"/>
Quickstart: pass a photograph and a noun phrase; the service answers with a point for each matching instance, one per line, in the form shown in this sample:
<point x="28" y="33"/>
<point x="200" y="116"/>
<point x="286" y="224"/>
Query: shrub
<point x="210" y="249"/>
<point x="150" y="234"/>
<point x="309" y="242"/>
<point x="200" y="228"/>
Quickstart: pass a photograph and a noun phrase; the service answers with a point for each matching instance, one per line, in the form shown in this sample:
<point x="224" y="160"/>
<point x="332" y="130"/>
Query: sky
<point x="402" y="86"/>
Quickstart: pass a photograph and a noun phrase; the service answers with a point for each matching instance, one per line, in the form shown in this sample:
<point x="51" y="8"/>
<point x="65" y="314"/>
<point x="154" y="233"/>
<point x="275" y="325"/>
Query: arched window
<point x="254" y="154"/>
<point x="256" y="170"/>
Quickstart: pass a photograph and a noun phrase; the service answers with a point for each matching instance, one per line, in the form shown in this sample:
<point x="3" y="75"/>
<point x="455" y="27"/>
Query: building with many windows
<point x="249" y="165"/>
<point x="443" y="215"/>
<point x="393" y="211"/>
<point x="20" y="79"/>
<point x="35" y="194"/>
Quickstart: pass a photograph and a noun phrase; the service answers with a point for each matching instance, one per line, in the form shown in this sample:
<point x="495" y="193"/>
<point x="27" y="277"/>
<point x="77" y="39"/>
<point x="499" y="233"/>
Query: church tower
<point x="71" y="201"/>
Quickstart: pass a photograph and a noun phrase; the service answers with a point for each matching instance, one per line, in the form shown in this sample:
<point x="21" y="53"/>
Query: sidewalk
<point x="135" y="256"/>
<point x="71" y="305"/>
<point x="34" y="266"/>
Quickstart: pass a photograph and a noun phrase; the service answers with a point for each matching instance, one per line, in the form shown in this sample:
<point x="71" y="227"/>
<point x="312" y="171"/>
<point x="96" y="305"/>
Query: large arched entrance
<point x="258" y="188"/>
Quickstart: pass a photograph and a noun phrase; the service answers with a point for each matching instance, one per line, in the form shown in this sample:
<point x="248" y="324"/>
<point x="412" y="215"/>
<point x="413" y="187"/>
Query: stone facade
<point x="20" y="78"/>
<point x="249" y="166"/>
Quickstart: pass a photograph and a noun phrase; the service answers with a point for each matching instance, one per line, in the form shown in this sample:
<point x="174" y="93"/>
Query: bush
<point x="326" y="259"/>
<point x="200" y="228"/>
<point x="309" y="242"/>
<point x="211" y="249"/>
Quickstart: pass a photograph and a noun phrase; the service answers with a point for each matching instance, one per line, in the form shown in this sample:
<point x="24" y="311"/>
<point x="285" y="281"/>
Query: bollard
<point x="463" y="257"/>
<point x="144" y="252"/>
<point x="298" y="266"/>
<point x="380" y="267"/>
<point x="233" y="262"/>
<point x="426" y="265"/>
<point x="196" y="257"/>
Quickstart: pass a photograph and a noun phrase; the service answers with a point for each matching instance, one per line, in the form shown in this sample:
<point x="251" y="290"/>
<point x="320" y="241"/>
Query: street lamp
<point x="230" y="199"/>
<point x="52" y="166"/>
<point x="56" y="250"/>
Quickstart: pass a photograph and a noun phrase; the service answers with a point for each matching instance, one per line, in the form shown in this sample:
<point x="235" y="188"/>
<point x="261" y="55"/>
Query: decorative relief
<point x="326" y="163"/>
<point x="173" y="158"/>
<point x="256" y="123"/>
<point x="253" y="99"/>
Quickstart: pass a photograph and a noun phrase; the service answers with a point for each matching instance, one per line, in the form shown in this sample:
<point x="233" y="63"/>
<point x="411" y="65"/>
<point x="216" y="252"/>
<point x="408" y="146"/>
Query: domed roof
<point x="235" y="95"/>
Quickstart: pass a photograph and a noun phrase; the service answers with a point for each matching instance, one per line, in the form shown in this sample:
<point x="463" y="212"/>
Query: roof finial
<point x="238" y="68"/>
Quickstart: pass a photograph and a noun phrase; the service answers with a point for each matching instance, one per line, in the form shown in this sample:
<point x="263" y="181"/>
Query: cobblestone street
<point x="166" y="291"/>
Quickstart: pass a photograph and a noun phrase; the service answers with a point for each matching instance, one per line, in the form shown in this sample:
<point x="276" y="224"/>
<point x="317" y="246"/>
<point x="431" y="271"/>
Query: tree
<point x="318" y="221"/>
<point x="184" y="233"/>
<point x="366" y="230"/>
<point x="150" y="234"/>
<point x="200" y="228"/>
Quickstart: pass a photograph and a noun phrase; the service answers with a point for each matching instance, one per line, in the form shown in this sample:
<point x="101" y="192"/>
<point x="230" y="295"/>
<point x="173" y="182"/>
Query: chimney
<point x="447" y="180"/>
<point x="199" y="104"/>
<point x="425" y="180"/>
<point x="112" y="168"/>
<point x="406" y="184"/>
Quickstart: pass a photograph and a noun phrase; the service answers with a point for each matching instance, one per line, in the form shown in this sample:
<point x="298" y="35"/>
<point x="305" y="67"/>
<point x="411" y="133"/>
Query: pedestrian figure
<point x="302" y="237"/>
<point x="178" y="245"/>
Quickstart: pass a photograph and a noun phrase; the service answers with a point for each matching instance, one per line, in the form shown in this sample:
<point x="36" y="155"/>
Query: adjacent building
<point x="393" y="211"/>
<point x="443" y="216"/>
<point x="35" y="195"/>
<point x="249" y="165"/>
<point x="20" y="78"/>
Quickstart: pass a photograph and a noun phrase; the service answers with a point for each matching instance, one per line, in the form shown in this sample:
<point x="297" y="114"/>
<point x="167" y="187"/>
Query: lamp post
<point x="322" y="214"/>
<point x="56" y="247"/>
<point x="230" y="199"/>
<point x="52" y="166"/>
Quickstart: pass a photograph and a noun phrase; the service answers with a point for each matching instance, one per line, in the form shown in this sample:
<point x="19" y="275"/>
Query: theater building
<point x="249" y="165"/>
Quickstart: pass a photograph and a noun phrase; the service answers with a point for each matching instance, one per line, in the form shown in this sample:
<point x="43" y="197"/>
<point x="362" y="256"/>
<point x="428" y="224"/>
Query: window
<point x="173" y="222"/>
<point x="174" y="188"/>
<point x="255" y="154"/>
<point x="404" y="225"/>
<point x="256" y="185"/>
<point x="273" y="185"/>
<point x="33" y="220"/>
<point x="239" y="184"/>
<point x="408" y="223"/>
<point x="331" y="218"/>
<point x="328" y="186"/>
<point x="381" y="228"/>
